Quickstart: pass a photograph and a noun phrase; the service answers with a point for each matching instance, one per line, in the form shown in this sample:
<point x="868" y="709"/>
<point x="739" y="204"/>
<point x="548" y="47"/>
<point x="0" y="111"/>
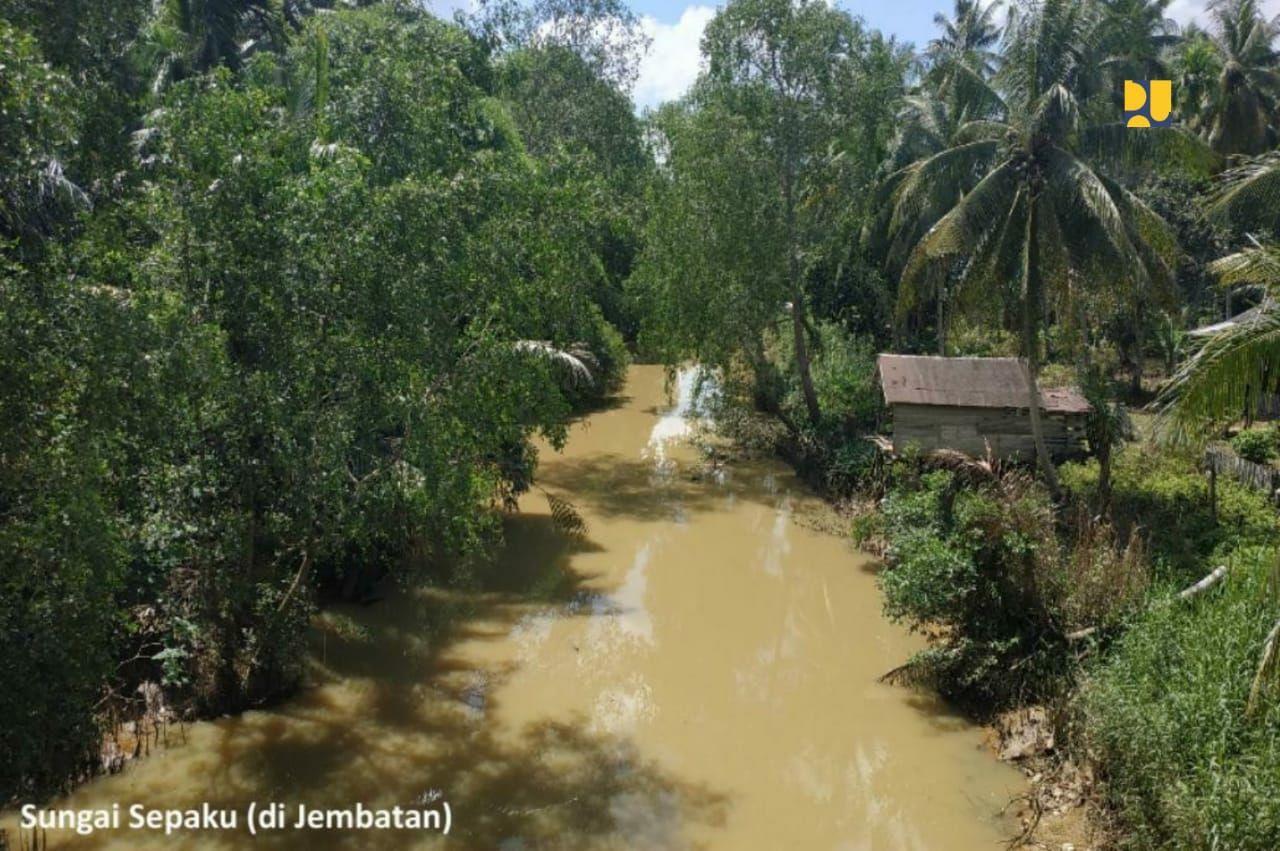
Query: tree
<point x="1134" y="35"/>
<point x="968" y="37"/>
<point x="94" y="44"/>
<point x="1194" y="64"/>
<point x="570" y="116"/>
<point x="37" y="125"/>
<point x="1233" y="368"/>
<point x="784" y="127"/>
<point x="310" y="332"/>
<point x="1243" y="100"/>
<point x="1106" y="427"/>
<point x="1024" y="204"/>
<point x="604" y="34"/>
<point x="188" y="37"/>
<point x="956" y="90"/>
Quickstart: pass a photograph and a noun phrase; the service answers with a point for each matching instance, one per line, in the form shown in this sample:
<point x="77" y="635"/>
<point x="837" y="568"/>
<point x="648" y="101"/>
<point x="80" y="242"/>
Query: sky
<point x="675" y="27"/>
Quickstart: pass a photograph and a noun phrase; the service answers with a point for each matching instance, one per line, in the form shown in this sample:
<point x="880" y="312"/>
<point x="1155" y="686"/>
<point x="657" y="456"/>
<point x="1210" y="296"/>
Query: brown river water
<point x="698" y="670"/>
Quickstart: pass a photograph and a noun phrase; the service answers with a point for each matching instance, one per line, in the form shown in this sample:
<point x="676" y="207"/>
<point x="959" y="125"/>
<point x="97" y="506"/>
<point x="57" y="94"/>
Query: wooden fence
<point x="1260" y="477"/>
<point x="1269" y="406"/>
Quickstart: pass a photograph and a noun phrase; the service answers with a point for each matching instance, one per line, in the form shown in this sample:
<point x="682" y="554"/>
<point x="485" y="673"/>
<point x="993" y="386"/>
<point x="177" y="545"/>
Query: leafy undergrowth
<point x="1164" y="498"/>
<point x="977" y="560"/>
<point x="1184" y="765"/>
<point x="1163" y="711"/>
<point x="1155" y="699"/>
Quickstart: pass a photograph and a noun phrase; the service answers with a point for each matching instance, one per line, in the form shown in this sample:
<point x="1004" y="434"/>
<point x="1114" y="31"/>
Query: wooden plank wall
<point x="1008" y="430"/>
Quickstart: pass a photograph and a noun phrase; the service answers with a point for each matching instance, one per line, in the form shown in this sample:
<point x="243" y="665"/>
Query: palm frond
<point x="969" y="223"/>
<point x="1116" y="145"/>
<point x="1267" y="677"/>
<point x="943" y="175"/>
<point x="577" y="360"/>
<point x="1251" y="267"/>
<point x="1222" y="379"/>
<point x="565" y="515"/>
<point x="982" y="129"/>
<point x="1249" y="194"/>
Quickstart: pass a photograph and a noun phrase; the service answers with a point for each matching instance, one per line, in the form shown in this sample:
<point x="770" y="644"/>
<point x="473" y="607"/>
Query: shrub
<point x="833" y="455"/>
<point x="609" y="369"/>
<point x="1058" y="375"/>
<point x="972" y="339"/>
<point x="1157" y="491"/>
<point x="866" y="526"/>
<point x="979" y="567"/>
<point x="1256" y="445"/>
<point x="977" y="560"/>
<point x="1165" y="714"/>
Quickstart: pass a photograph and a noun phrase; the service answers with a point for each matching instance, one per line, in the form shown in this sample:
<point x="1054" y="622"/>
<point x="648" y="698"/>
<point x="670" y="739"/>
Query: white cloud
<point x="674" y="57"/>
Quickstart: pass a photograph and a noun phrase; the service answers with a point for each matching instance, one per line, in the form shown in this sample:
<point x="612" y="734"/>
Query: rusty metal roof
<point x="969" y="383"/>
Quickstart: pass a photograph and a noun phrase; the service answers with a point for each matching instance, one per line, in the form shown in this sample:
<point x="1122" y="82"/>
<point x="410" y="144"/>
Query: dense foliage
<point x="304" y="335"/>
<point x="289" y="289"/>
<point x="974" y="554"/>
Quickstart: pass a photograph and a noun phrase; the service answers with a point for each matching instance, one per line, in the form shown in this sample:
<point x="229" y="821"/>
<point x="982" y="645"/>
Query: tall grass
<point x="1165" y="714"/>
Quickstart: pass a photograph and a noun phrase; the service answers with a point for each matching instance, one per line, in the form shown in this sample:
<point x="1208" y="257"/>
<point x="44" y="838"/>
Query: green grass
<point x="1164" y="497"/>
<point x="1165" y="715"/>
<point x="1164" y="707"/>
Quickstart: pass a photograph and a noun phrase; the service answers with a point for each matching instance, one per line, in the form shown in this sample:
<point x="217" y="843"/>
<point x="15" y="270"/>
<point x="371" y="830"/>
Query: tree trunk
<point x="942" y="322"/>
<point x="1213" y="487"/>
<point x="1104" y="479"/>
<point x="1031" y="346"/>
<point x="797" y="303"/>
<point x="1136" y="356"/>
<point x="802" y="359"/>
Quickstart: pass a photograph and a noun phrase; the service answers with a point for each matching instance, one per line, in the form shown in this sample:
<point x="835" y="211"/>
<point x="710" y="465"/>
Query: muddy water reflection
<point x="698" y="671"/>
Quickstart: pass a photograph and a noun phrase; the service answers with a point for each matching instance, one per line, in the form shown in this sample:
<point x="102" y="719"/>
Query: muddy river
<point x="698" y="670"/>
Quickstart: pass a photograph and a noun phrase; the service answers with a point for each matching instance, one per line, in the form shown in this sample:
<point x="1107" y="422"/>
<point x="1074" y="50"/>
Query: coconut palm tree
<point x="1133" y="35"/>
<point x="189" y="37"/>
<point x="954" y="91"/>
<point x="1194" y="64"/>
<point x="969" y="36"/>
<point x="1217" y="383"/>
<point x="1231" y="369"/>
<point x="1023" y="203"/>
<point x="1243" y="101"/>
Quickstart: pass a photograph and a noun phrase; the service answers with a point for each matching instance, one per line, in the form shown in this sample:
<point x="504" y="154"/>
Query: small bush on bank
<point x="1184" y="767"/>
<point x="979" y="565"/>
<point x="1256" y="445"/>
<point x="833" y="455"/>
<point x="609" y="367"/>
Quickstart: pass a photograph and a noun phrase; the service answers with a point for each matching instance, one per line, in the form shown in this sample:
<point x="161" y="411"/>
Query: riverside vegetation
<point x="288" y="289"/>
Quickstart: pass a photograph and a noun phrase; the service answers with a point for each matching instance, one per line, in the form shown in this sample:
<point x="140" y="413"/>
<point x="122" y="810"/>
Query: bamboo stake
<point x="1080" y="634"/>
<point x="1265" y="665"/>
<point x="1215" y="576"/>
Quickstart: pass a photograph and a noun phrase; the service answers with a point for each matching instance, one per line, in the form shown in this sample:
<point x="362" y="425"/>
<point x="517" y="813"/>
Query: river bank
<point x="697" y="669"/>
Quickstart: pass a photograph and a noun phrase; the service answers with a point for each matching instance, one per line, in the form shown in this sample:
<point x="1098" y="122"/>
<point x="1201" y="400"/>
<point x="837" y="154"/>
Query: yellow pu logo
<point x="1148" y="103"/>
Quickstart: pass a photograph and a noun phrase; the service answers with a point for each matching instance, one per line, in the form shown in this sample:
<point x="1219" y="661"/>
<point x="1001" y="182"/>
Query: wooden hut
<point x="972" y="403"/>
